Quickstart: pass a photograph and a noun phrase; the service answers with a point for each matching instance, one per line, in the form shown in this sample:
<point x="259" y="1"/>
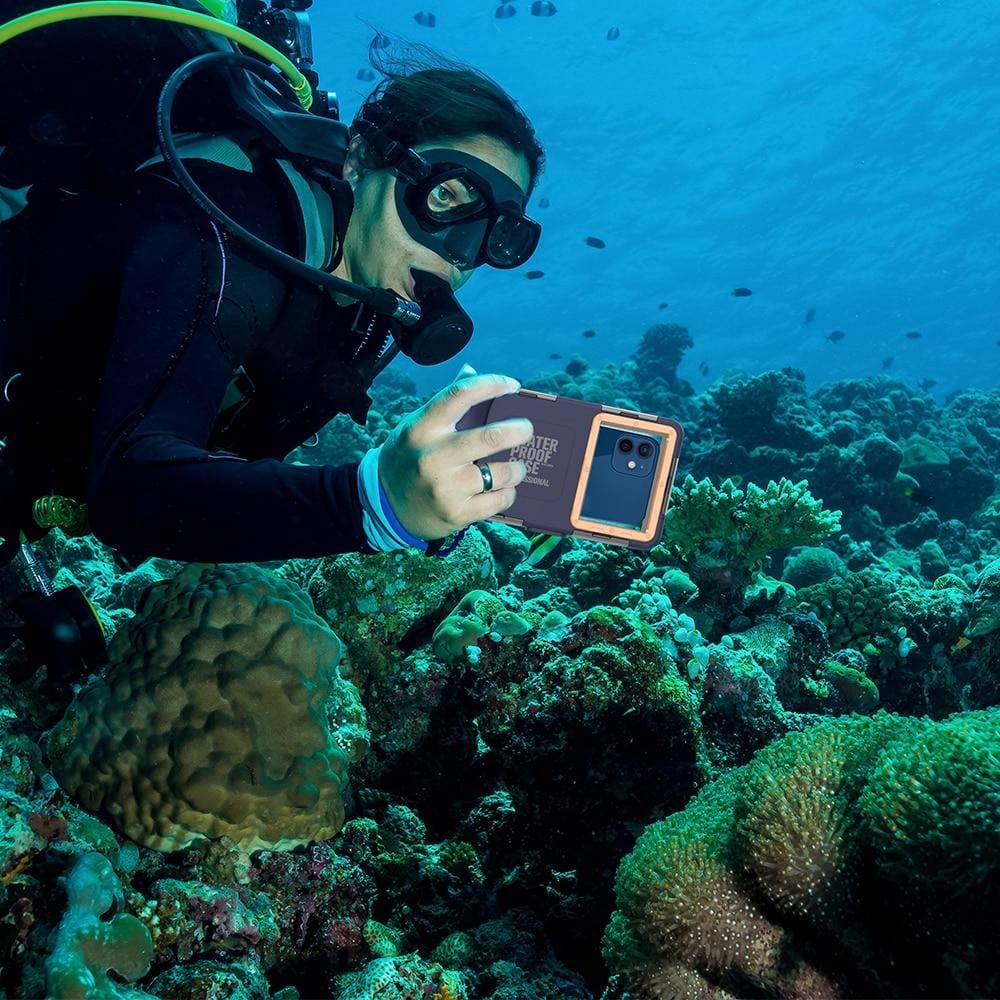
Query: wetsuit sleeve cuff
<point x="382" y="528"/>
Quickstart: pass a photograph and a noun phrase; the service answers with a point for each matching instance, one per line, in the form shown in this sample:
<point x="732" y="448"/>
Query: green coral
<point x="859" y="609"/>
<point x="932" y="806"/>
<point x="710" y="525"/>
<point x="781" y="851"/>
<point x="475" y="615"/>
<point x="85" y="947"/>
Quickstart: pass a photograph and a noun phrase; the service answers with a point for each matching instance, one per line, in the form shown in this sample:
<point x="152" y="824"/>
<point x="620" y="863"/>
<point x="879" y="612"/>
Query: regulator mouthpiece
<point x="444" y="328"/>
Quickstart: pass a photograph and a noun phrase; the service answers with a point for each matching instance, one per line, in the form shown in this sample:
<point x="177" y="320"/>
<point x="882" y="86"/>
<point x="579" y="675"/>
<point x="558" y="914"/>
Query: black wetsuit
<point x="140" y="310"/>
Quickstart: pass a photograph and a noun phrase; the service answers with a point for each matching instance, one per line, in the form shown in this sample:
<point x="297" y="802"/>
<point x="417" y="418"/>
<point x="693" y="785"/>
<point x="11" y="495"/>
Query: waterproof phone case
<point x="594" y="471"/>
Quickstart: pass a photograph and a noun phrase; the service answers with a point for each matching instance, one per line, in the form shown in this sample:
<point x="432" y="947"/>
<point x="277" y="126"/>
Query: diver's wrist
<point x="382" y="527"/>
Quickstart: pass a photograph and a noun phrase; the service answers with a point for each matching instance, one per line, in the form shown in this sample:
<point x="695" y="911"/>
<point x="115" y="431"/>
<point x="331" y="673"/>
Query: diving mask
<point x="464" y="209"/>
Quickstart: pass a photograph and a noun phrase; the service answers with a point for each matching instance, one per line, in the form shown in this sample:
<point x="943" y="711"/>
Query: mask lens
<point x="452" y="200"/>
<point x="511" y="241"/>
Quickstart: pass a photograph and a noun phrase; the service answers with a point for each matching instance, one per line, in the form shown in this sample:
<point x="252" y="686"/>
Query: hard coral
<point x="871" y="842"/>
<point x="219" y="715"/>
<point x="711" y="526"/>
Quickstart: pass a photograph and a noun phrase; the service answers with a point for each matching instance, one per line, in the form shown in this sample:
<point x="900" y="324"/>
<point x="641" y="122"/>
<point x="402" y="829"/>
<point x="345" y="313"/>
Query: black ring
<point x="487" y="477"/>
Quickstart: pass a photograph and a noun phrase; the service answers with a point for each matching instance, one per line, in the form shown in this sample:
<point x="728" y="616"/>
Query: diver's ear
<point x="358" y="161"/>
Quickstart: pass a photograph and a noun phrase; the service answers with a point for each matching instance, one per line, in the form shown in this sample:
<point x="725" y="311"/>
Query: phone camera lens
<point x="645" y="449"/>
<point x="625" y="445"/>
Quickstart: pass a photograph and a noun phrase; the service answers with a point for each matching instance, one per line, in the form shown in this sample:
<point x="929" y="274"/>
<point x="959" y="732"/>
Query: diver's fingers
<point x="448" y="405"/>
<point x="481" y="442"/>
<point x="485" y="505"/>
<point x="503" y="475"/>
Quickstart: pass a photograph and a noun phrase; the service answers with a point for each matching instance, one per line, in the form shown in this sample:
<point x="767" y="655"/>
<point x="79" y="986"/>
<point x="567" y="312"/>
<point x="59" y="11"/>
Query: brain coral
<point x="220" y="714"/>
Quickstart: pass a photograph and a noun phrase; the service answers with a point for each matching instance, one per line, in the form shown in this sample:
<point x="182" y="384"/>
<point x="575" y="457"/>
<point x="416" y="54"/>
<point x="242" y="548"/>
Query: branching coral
<point x="717" y="526"/>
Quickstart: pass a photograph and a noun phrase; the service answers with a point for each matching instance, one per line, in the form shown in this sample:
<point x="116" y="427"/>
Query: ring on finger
<point x="487" y="475"/>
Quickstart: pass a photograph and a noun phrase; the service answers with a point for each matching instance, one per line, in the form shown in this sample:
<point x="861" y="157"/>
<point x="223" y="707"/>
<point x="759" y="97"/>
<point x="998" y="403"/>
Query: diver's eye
<point x="442" y="198"/>
<point x="453" y="198"/>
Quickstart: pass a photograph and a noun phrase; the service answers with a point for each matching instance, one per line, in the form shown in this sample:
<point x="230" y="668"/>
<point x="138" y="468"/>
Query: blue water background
<point x="843" y="157"/>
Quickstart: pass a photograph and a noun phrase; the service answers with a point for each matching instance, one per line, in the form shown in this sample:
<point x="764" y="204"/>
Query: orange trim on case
<point x="661" y="476"/>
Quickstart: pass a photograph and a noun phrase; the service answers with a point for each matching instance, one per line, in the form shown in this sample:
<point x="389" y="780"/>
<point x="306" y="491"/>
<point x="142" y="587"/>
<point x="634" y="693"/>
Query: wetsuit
<point x="171" y="373"/>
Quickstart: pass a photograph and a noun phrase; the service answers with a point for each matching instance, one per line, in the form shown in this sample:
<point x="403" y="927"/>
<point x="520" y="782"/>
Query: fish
<point x="542" y="8"/>
<point x="544" y="203"/>
<point x="663" y="305"/>
<point x="382" y="41"/>
<point x="613" y="34"/>
<point x="927" y="383"/>
<point x="835" y="335"/>
<point x="534" y="275"/>
<point x="555" y="357"/>
<point x="810" y="316"/>
<point x="961" y="643"/>
<point x="365" y="74"/>
<point x="542" y="549"/>
<point x="741" y="293"/>
<point x="593" y="241"/>
<point x="425" y="19"/>
<point x="703" y="368"/>
<point x="504" y="11"/>
<point x="887" y="363"/>
<point x="918" y="496"/>
<point x="589" y="333"/>
<point x="914" y="335"/>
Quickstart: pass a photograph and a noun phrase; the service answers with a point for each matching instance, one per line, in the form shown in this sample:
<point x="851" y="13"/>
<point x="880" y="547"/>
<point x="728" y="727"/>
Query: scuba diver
<point x="163" y="369"/>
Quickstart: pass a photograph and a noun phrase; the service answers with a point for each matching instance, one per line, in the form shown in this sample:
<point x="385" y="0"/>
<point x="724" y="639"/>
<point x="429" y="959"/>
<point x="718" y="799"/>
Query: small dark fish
<point x="742" y="293"/>
<point x="555" y="357"/>
<point x="887" y="363"/>
<point x="543" y="8"/>
<point x="914" y="335"/>
<point x="835" y="336"/>
<point x="917" y="495"/>
<point x="589" y="333"/>
<point x="366" y="74"/>
<point x="613" y="34"/>
<point x="543" y="203"/>
<point x="382" y="41"/>
<point x="663" y="305"/>
<point x="810" y="316"/>
<point x="425" y="19"/>
<point x="703" y="368"/>
<point x="504" y="11"/>
<point x="927" y="384"/>
<point x="593" y="241"/>
<point x="533" y="275"/>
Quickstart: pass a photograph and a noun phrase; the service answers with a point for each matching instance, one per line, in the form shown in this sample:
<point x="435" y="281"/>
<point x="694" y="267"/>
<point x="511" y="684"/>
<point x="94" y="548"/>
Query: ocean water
<point x="762" y="758"/>
<point x="828" y="156"/>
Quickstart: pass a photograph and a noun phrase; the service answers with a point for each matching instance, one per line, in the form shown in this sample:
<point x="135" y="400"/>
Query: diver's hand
<point x="426" y="466"/>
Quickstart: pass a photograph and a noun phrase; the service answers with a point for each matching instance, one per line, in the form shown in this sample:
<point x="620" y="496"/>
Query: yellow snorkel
<point x="214" y="21"/>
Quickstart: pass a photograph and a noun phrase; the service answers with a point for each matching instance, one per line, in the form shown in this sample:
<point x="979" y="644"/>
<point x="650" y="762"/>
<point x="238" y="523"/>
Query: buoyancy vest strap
<point x="315" y="205"/>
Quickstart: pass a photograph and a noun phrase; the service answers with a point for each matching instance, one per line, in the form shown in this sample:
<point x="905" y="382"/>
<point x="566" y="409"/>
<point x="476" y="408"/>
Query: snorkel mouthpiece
<point x="444" y="327"/>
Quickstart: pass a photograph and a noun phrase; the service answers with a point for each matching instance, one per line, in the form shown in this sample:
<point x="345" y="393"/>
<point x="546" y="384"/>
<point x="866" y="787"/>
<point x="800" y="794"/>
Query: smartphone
<point x="594" y="471"/>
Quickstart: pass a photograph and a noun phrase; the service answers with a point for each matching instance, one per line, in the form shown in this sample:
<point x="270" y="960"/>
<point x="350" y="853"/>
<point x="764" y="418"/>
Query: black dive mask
<point x="464" y="209"/>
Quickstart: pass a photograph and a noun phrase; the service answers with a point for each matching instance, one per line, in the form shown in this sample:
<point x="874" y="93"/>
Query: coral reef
<point x="790" y="701"/>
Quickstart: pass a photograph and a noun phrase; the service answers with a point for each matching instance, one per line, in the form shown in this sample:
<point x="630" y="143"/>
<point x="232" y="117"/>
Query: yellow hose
<point x="160" y="12"/>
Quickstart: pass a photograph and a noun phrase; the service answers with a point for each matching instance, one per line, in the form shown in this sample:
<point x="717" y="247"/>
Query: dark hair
<point x="426" y="96"/>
